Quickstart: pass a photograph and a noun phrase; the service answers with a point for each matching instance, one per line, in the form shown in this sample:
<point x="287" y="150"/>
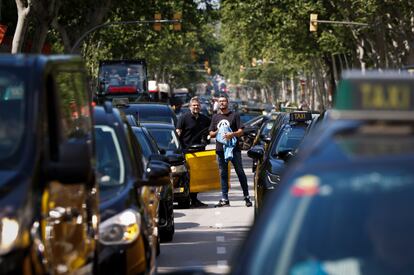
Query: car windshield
<point x="245" y="117"/>
<point x="109" y="161"/>
<point x="117" y="75"/>
<point x="344" y="220"/>
<point x="289" y="139"/>
<point x="12" y="118"/>
<point x="166" y="139"/>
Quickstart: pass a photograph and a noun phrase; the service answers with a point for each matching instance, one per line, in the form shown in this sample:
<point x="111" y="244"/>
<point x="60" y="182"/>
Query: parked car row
<point x="84" y="189"/>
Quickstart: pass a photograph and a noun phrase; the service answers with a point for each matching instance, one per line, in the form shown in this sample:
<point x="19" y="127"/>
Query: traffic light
<point x="157" y="25"/>
<point x="313" y="24"/>
<point x="177" y="25"/>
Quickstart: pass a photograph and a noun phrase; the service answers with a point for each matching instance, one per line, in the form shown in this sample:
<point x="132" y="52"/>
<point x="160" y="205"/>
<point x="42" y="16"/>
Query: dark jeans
<point x="224" y="173"/>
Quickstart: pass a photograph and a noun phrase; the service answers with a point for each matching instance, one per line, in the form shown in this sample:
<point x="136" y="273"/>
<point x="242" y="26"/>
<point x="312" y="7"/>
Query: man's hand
<point x="228" y="135"/>
<point x="213" y="134"/>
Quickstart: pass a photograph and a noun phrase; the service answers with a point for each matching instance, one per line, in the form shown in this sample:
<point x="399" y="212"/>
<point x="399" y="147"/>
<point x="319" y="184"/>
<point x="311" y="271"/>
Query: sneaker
<point x="248" y="202"/>
<point x="222" y="203"/>
<point x="198" y="203"/>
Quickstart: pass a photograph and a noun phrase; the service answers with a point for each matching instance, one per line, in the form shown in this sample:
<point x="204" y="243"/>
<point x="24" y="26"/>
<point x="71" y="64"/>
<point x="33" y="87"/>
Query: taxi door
<point x="204" y="171"/>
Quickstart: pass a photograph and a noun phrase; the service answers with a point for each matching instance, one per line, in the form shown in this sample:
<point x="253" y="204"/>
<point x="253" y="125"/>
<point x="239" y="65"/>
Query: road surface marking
<point x="220" y="238"/>
<point x="222" y="264"/>
<point x="221" y="250"/>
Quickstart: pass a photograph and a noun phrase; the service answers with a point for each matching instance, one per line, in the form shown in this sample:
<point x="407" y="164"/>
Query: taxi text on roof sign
<point x="300" y="116"/>
<point x="379" y="91"/>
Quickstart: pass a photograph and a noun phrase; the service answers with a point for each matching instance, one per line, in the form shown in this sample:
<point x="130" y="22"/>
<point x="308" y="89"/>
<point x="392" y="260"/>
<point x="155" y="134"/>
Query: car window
<point x="166" y="139"/>
<point x="289" y="139"/>
<point x="154" y="115"/>
<point x="351" y="218"/>
<point x="12" y="116"/>
<point x="74" y="104"/>
<point x="109" y="160"/>
<point x="146" y="148"/>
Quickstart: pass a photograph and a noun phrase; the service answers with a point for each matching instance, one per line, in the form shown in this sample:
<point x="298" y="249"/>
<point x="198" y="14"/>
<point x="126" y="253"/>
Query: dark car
<point x="127" y="242"/>
<point x="168" y="140"/>
<point x="150" y="112"/>
<point x="48" y="190"/>
<point x="345" y="201"/>
<point x="271" y="162"/>
<point x="165" y="217"/>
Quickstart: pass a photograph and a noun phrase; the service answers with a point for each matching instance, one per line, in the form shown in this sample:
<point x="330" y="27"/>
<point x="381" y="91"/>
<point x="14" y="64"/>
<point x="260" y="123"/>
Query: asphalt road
<point x="207" y="238"/>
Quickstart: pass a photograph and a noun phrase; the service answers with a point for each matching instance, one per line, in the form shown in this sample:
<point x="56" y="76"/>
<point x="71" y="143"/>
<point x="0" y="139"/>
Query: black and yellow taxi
<point x="271" y="162"/>
<point x="128" y="244"/>
<point x="345" y="203"/>
<point x="48" y="204"/>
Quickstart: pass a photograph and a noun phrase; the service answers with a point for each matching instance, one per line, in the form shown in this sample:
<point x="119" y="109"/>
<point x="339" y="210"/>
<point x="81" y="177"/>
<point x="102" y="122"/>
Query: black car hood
<point x="275" y="166"/>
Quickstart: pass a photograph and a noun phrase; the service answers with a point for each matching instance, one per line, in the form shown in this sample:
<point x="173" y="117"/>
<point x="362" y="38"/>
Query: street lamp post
<point x="110" y="24"/>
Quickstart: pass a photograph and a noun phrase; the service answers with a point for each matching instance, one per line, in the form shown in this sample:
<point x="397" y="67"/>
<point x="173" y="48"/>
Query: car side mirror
<point x="158" y="157"/>
<point x="157" y="173"/>
<point x="175" y="158"/>
<point x="256" y="152"/>
<point x="196" y="148"/>
<point x="74" y="164"/>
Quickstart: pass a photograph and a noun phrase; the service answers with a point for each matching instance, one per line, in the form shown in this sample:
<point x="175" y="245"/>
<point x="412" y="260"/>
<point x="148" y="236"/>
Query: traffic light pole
<point x="110" y="24"/>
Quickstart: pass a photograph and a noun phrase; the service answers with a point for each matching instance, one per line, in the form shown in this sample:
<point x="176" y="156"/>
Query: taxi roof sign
<point x="300" y="116"/>
<point x="375" y="95"/>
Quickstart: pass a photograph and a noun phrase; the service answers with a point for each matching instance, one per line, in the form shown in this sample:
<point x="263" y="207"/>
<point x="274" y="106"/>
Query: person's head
<point x="390" y="226"/>
<point x="195" y="105"/>
<point x="223" y="103"/>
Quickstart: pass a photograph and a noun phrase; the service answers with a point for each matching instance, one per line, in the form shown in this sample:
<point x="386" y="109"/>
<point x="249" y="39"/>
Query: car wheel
<point x="158" y="246"/>
<point x="168" y="233"/>
<point x="184" y="203"/>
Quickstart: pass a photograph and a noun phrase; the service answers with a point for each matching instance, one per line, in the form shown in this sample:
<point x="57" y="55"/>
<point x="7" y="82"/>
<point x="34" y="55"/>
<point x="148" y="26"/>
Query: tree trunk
<point x="45" y="12"/>
<point x="21" y="26"/>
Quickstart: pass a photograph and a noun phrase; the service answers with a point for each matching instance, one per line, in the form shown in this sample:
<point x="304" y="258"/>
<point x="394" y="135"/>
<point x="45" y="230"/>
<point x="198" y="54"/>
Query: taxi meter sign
<point x="300" y="116"/>
<point x="376" y="92"/>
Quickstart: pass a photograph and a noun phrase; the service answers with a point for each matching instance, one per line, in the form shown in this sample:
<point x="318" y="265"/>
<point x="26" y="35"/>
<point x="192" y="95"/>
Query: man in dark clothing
<point x="190" y="128"/>
<point x="233" y="120"/>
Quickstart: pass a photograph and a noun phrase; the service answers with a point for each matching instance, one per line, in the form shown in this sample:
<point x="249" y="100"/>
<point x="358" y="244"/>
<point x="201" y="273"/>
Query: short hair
<point x="225" y="96"/>
<point x="196" y="99"/>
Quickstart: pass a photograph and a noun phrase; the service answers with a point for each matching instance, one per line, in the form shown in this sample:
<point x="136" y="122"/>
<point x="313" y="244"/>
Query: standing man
<point x="233" y="120"/>
<point x="190" y="128"/>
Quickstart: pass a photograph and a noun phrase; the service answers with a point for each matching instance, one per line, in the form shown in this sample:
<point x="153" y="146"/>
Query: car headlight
<point x="123" y="228"/>
<point x="9" y="234"/>
<point x="178" y="169"/>
<point x="273" y="179"/>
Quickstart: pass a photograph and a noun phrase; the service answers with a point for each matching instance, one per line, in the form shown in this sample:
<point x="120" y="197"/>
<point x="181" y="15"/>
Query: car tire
<point x="184" y="203"/>
<point x="167" y="234"/>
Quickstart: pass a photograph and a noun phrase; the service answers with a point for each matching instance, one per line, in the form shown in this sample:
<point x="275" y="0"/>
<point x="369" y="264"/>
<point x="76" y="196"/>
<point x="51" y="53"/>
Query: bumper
<point x="123" y="259"/>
